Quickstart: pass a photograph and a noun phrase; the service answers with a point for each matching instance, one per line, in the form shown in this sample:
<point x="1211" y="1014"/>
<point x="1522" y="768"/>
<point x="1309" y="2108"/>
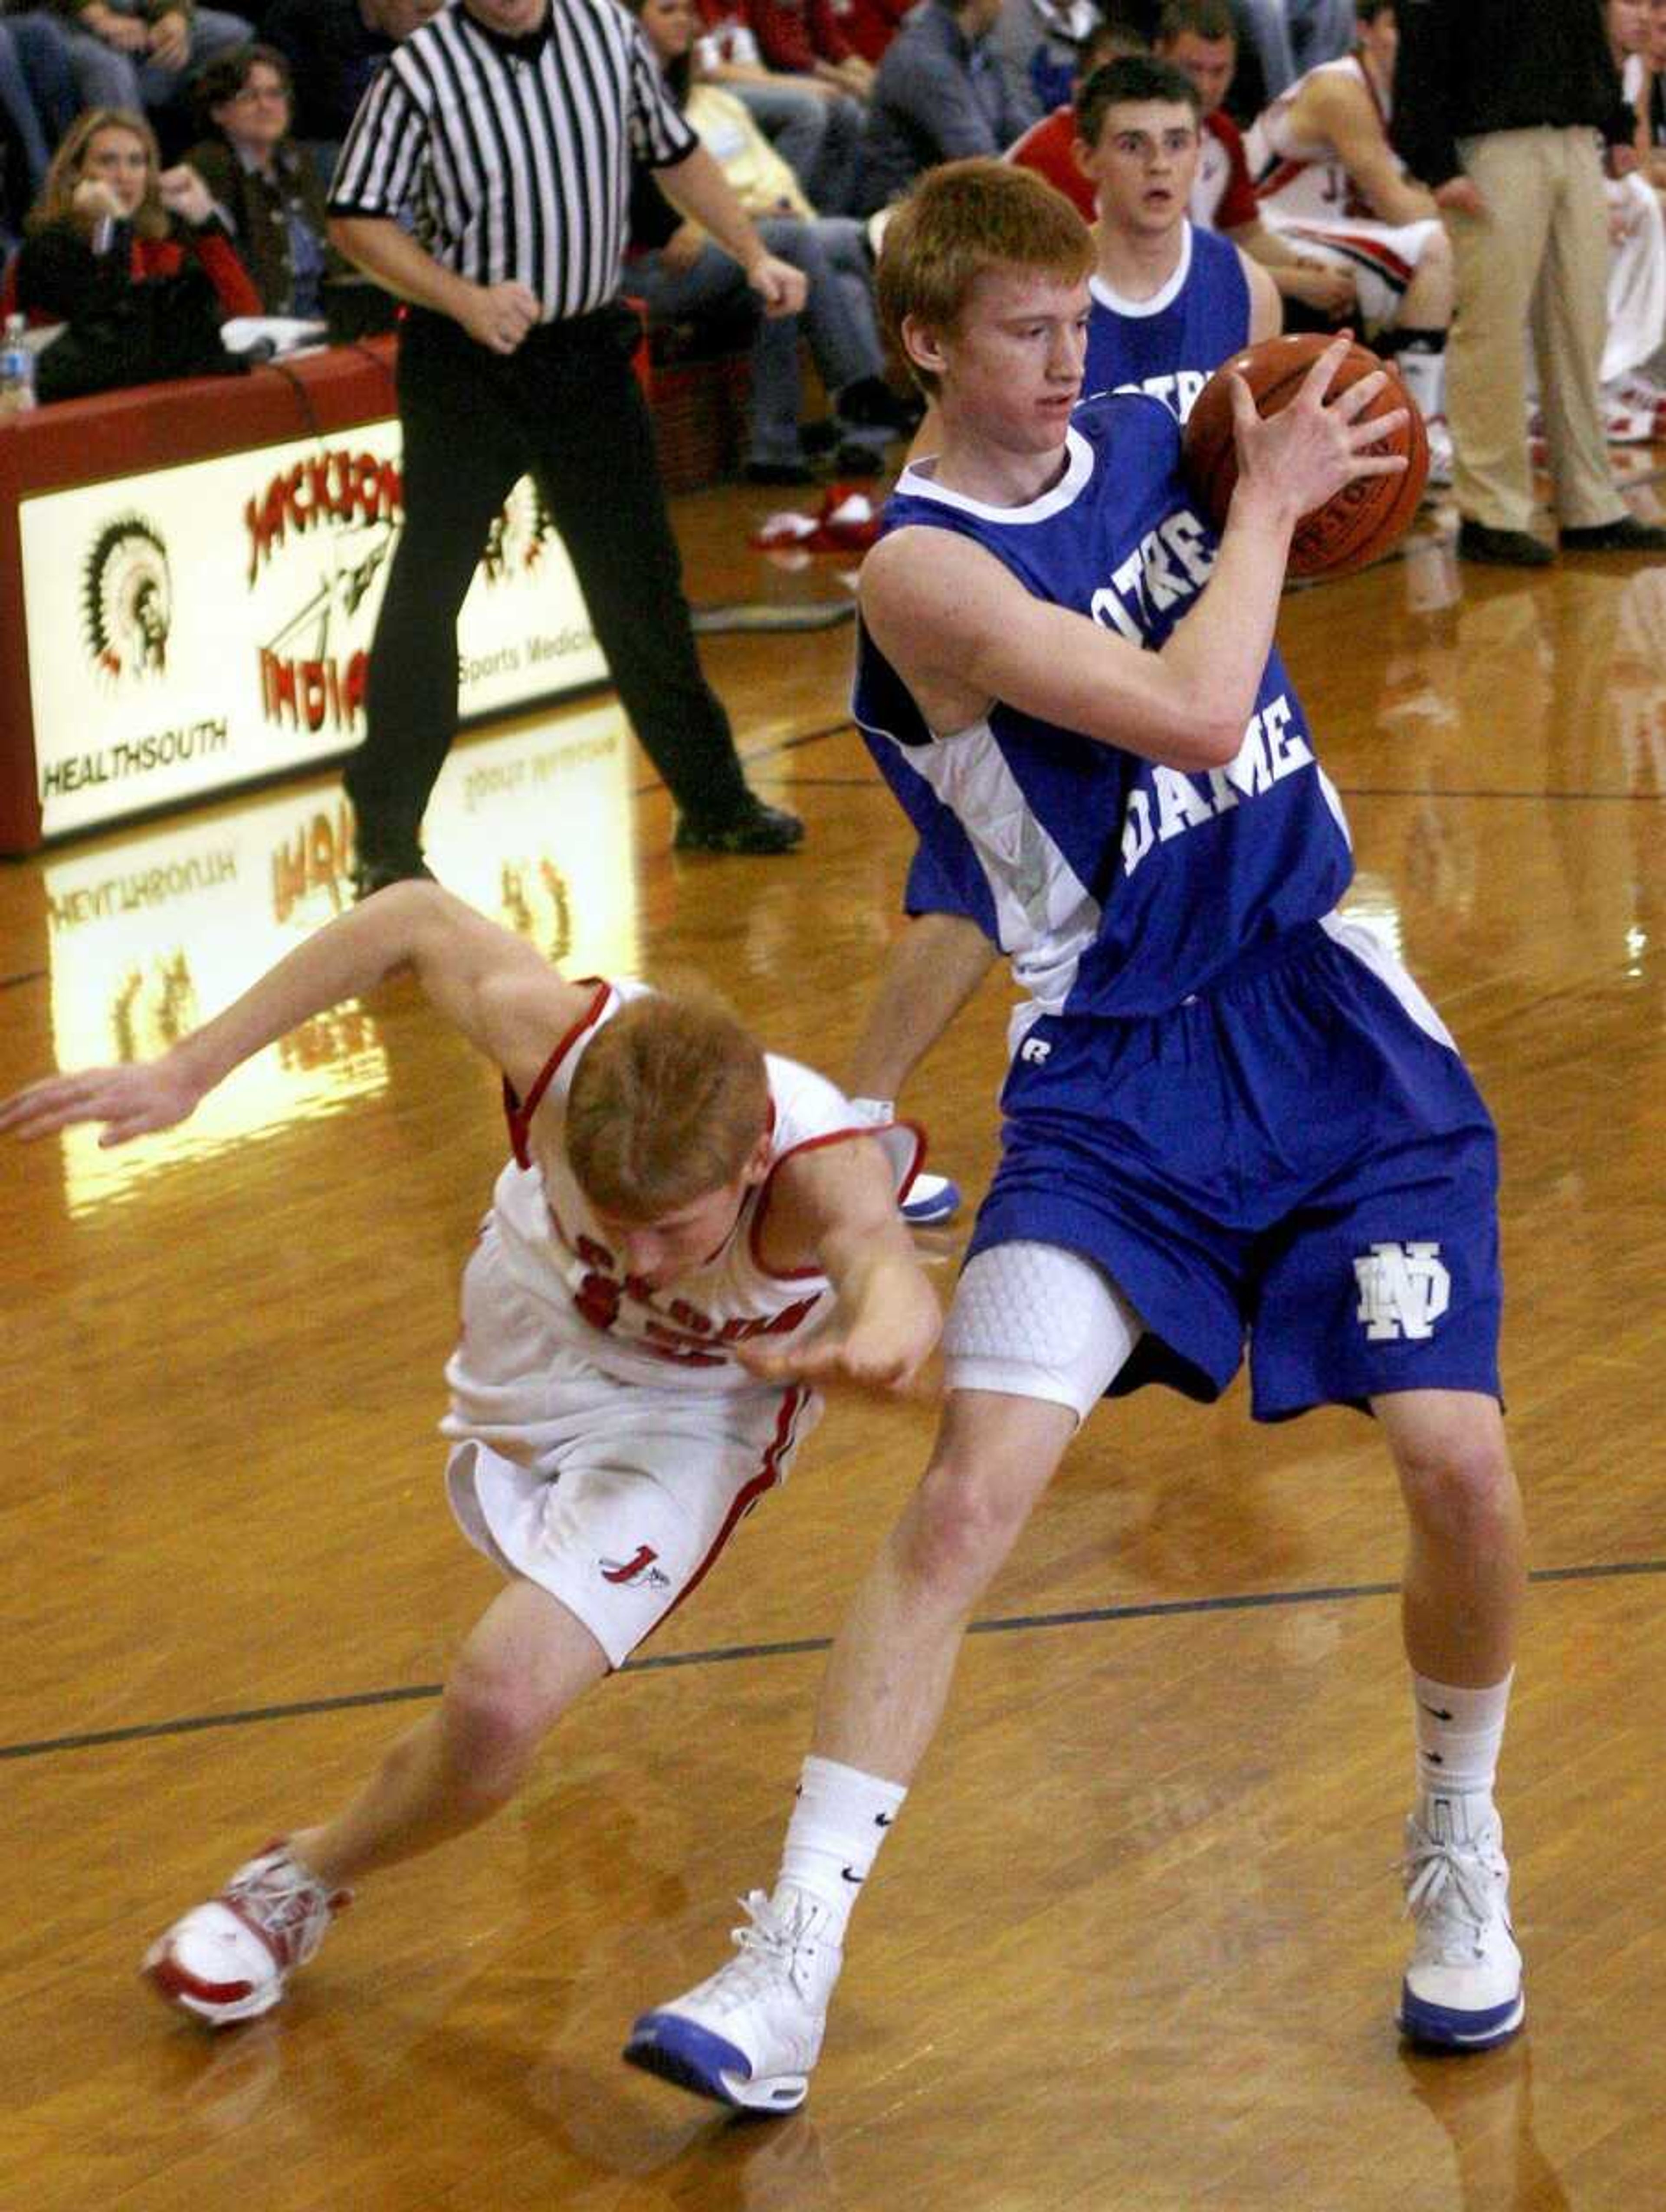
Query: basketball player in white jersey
<point x="682" y="1214"/>
<point x="1327" y="177"/>
<point x="1634" y="350"/>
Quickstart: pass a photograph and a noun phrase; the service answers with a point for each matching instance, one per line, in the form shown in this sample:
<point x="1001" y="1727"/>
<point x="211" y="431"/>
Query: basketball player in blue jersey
<point x="1229" y="1114"/>
<point x="1168" y="302"/>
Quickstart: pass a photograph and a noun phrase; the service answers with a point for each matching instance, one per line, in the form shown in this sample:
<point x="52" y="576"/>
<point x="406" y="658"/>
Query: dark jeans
<point x="566" y="409"/>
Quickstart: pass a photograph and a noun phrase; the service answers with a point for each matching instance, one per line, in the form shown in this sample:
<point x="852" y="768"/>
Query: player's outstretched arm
<point x="833" y="1207"/>
<point x="496" y="989"/>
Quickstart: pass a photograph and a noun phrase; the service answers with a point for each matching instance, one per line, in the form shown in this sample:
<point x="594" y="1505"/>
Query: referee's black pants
<point x="568" y="409"/>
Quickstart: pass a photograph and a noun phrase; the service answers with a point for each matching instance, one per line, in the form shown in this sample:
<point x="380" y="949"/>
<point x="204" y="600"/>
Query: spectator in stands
<point x="1049" y="147"/>
<point x="937" y="95"/>
<point x="1293" y="36"/>
<point x="870" y="25"/>
<point x="111" y="215"/>
<point x="804" y="37"/>
<point x="1037" y="45"/>
<point x="689" y="275"/>
<point x="39" y="99"/>
<point x="1500" y="110"/>
<point x="812" y="122"/>
<point x="1328" y="178"/>
<point x="267" y="192"/>
<point x="139" y="53"/>
<point x="1200" y="38"/>
<point x="334" y="48"/>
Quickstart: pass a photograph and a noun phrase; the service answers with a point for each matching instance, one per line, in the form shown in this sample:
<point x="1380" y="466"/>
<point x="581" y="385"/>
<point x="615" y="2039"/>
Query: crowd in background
<point x="142" y="138"/>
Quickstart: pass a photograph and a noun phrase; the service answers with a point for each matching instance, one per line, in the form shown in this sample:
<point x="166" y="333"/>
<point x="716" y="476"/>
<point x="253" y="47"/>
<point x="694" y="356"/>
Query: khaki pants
<point x="1537" y="260"/>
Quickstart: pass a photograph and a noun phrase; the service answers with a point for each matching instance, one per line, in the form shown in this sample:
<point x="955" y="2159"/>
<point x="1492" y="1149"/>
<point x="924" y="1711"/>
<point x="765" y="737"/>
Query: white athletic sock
<point x="1458" y="1735"/>
<point x="1424" y="375"/>
<point x="837" y="1824"/>
<point x="876" y="1111"/>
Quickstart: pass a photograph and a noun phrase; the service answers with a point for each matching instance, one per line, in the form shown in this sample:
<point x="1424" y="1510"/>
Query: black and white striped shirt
<point x="512" y="159"/>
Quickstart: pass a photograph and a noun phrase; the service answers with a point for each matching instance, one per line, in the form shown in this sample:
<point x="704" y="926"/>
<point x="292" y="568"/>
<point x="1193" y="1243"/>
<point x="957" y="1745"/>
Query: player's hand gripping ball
<point x="1358" y="524"/>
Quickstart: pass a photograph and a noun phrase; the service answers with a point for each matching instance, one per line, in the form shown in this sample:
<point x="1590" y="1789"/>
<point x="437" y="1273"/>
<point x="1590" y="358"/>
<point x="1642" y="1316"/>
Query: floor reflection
<point x="1485" y="2103"/>
<point x="151" y="936"/>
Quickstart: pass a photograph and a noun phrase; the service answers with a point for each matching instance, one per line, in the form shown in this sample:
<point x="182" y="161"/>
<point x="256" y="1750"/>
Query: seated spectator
<point x="111" y="219"/>
<point x="38" y="95"/>
<point x="805" y="37"/>
<point x="1049" y="147"/>
<point x="140" y="53"/>
<point x="937" y="95"/>
<point x="870" y="25"/>
<point x="1330" y="182"/>
<point x="1038" y="48"/>
<point x="689" y="274"/>
<point x="334" y="48"/>
<point x="267" y="192"/>
<point x="814" y="124"/>
<point x="1200" y="38"/>
<point x="1291" y="37"/>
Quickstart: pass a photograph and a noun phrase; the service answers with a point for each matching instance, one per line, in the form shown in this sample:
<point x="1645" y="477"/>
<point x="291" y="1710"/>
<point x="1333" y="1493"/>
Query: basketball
<point x="1362" y="521"/>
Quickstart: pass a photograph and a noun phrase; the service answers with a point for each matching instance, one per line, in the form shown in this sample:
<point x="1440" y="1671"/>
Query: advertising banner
<point x="204" y="626"/>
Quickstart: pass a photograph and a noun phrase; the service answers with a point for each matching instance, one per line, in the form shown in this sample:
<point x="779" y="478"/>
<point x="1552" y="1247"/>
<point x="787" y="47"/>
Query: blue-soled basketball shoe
<point x="931" y="1199"/>
<point x="1463" y="1989"/>
<point x="750" y="2033"/>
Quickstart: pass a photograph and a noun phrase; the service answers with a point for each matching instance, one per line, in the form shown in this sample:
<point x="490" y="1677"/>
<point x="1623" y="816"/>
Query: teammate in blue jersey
<point x="1230" y="1113"/>
<point x="1168" y="302"/>
<point x="1171" y="300"/>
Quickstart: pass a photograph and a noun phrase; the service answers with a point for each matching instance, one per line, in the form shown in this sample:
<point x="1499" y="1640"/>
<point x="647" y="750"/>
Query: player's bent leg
<point x="527" y="1660"/>
<point x="1463" y="1989"/>
<point x="749" y="2035"/>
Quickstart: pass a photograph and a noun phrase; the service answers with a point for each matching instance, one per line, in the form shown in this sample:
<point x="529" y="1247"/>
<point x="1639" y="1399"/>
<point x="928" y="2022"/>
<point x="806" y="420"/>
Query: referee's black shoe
<point x="754" y="829"/>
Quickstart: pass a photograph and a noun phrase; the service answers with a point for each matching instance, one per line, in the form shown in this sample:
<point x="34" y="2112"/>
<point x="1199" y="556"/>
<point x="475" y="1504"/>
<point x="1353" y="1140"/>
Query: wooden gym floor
<point x="1135" y="1942"/>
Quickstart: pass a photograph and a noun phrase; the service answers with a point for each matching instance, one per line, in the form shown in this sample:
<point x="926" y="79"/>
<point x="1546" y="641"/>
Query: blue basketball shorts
<point x="1296" y="1158"/>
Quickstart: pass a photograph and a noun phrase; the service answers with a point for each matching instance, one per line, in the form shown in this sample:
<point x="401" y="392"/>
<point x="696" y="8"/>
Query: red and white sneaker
<point x="231" y="1959"/>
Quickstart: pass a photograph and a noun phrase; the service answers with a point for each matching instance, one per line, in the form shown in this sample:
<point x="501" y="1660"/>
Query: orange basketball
<point x="1362" y="521"/>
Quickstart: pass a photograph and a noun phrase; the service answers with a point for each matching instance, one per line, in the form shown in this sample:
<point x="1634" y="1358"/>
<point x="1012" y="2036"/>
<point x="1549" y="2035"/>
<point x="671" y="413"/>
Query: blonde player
<point x="685" y="1219"/>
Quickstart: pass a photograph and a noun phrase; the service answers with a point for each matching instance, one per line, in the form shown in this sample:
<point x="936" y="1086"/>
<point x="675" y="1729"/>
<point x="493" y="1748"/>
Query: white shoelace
<point x="290" y="1908"/>
<point x="776" y="1947"/>
<point x="1450" y="1893"/>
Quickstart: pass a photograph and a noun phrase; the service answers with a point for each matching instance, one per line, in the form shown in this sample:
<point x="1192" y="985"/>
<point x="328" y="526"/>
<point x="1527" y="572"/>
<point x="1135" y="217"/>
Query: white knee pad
<point x="1035" y="1321"/>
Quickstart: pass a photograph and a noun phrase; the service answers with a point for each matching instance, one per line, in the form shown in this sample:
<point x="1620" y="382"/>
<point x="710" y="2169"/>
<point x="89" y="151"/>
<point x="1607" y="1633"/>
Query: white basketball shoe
<point x="931" y="1199"/>
<point x="750" y="2033"/>
<point x="231" y="1959"/>
<point x="1463" y="1989"/>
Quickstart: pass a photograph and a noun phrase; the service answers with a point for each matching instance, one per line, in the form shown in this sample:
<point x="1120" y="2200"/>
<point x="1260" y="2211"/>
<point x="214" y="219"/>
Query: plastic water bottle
<point x="16" y="370"/>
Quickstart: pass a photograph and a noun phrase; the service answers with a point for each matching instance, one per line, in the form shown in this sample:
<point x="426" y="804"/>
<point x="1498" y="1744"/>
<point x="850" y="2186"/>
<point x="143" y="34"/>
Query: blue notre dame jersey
<point x="1115" y="886"/>
<point x="1171" y="345"/>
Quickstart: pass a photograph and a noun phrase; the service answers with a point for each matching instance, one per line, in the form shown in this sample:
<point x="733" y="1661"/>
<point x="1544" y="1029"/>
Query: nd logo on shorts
<point x="1404" y="1289"/>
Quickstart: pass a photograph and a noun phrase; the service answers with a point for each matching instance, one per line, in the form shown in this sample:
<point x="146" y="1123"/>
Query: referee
<point x="485" y="179"/>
